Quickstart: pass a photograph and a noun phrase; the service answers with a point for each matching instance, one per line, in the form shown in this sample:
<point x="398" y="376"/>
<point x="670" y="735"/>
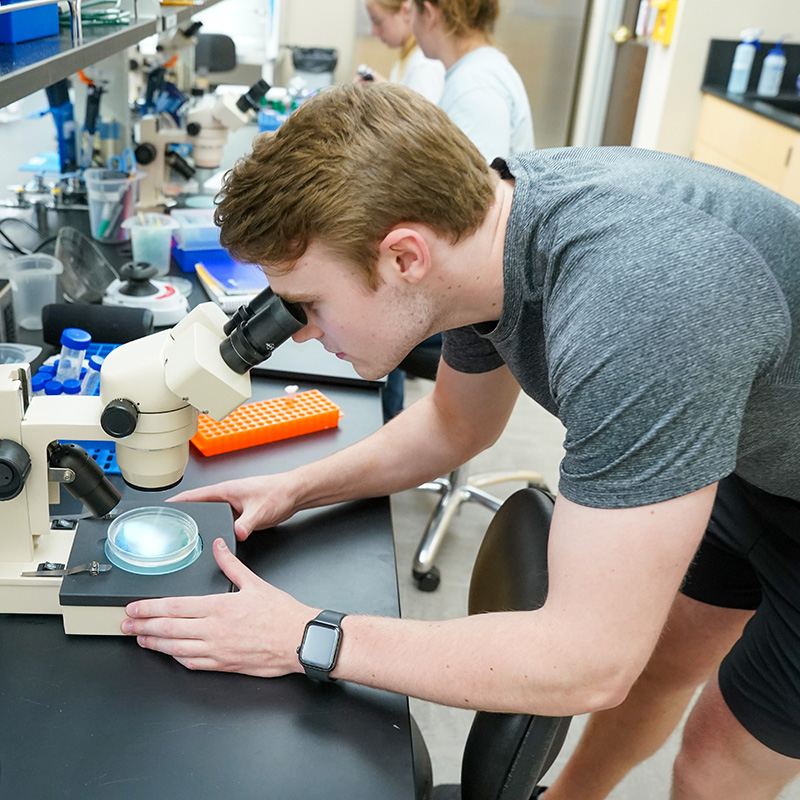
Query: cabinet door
<point x="791" y="179"/>
<point x="737" y="139"/>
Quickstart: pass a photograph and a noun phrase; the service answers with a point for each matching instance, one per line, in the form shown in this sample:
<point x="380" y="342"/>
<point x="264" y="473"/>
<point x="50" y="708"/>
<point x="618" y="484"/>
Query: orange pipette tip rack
<point x="266" y="421"/>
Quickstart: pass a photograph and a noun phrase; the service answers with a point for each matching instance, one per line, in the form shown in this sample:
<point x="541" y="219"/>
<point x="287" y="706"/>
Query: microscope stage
<point x="94" y="603"/>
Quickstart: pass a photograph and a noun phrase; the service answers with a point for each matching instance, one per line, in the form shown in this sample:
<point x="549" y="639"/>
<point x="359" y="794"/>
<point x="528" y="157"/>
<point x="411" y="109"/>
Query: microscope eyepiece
<point x="256" y="329"/>
<point x="251" y="99"/>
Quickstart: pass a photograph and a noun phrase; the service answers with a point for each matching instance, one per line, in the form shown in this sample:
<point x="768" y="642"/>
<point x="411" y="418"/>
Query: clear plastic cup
<point x="151" y="239"/>
<point x="33" y="286"/>
<point x="112" y="198"/>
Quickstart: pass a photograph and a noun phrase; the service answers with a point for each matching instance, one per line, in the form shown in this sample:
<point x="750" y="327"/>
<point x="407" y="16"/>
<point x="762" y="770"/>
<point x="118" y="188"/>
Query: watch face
<point x="319" y="646"/>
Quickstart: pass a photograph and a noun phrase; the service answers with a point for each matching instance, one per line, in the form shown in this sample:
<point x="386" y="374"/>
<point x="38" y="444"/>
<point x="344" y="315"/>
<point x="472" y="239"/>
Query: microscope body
<point x="152" y="154"/>
<point x="155" y="387"/>
<point x="206" y="128"/>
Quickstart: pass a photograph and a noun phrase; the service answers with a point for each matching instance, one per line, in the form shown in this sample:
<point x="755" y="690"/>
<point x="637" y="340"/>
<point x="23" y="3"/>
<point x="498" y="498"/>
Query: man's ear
<point x="406" y="252"/>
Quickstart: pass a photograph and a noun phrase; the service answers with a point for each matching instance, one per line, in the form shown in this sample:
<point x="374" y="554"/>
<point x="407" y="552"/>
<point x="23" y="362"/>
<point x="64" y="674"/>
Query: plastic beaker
<point x="151" y="239"/>
<point x="33" y="286"/>
<point x="111" y="195"/>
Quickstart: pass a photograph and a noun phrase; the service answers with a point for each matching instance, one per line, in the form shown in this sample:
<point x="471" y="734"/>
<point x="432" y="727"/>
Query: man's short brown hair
<point x="349" y="165"/>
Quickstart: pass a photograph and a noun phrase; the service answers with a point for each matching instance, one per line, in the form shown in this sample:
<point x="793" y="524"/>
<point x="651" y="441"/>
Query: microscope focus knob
<point x="119" y="418"/>
<point x="145" y="153"/>
<point x="15" y="464"/>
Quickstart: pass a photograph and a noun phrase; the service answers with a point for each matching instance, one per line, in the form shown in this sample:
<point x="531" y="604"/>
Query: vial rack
<point x="266" y="421"/>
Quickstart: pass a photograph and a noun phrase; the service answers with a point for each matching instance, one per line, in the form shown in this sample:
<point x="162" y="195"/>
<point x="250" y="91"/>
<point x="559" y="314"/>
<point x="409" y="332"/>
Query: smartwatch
<point x="320" y="646"/>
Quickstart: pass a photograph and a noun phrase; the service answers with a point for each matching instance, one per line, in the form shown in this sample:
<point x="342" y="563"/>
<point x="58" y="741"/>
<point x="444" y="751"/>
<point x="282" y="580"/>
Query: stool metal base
<point x="453" y="490"/>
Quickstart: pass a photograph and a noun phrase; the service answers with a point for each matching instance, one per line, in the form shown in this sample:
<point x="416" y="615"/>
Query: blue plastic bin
<point x="28" y="23"/>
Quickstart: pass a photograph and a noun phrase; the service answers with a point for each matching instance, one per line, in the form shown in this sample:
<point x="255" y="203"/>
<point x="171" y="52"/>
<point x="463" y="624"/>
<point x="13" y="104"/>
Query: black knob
<point x="145" y="153"/>
<point x="193" y="128"/>
<point x="136" y="275"/>
<point x="119" y="418"/>
<point x="15" y="464"/>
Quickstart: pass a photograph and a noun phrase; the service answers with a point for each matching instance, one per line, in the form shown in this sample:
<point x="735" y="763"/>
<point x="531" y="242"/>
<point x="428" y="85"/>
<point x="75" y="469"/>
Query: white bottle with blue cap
<point x="743" y="61"/>
<point x="769" y="82"/>
<point x="74" y="343"/>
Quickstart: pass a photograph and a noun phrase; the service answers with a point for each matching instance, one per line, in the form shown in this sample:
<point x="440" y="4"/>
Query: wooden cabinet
<point x="745" y="142"/>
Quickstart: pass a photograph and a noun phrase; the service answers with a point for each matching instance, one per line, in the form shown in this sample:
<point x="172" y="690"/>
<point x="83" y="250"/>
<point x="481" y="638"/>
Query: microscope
<point x="206" y="129"/>
<point x="151" y="391"/>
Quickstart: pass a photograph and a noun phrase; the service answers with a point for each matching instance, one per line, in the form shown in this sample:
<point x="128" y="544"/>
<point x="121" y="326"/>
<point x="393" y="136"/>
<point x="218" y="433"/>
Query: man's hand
<point x="254" y="631"/>
<point x="258" y="502"/>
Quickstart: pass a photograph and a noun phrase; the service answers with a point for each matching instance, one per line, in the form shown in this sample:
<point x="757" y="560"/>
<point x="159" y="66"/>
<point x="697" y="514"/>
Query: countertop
<point x="763" y="106"/>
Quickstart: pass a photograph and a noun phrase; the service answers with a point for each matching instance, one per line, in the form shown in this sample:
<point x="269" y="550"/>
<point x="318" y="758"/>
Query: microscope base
<point x="94" y="604"/>
<point x="20" y="595"/>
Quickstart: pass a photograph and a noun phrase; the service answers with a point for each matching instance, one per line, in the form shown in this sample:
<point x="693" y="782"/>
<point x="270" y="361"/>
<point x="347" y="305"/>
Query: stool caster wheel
<point x="428" y="581"/>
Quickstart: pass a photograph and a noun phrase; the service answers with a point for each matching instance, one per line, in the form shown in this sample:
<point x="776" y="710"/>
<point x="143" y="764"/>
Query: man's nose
<point x="306" y="333"/>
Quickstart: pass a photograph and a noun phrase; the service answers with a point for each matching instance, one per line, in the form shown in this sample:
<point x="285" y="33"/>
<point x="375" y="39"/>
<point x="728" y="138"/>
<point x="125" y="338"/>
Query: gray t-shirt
<point x="652" y="303"/>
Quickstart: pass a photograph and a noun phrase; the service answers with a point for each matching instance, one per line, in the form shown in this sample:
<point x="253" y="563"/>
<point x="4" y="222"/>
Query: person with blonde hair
<point x="391" y="23"/>
<point x="483" y="93"/>
<point x="652" y="304"/>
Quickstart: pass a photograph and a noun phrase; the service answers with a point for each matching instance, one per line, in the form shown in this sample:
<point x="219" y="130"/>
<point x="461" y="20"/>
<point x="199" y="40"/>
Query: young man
<point x="651" y="303"/>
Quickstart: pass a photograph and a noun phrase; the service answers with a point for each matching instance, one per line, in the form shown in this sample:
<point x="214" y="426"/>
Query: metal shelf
<point x="27" y="67"/>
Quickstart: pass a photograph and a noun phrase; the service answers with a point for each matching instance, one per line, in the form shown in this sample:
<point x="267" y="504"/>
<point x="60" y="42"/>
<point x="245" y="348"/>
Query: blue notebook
<point x="229" y="283"/>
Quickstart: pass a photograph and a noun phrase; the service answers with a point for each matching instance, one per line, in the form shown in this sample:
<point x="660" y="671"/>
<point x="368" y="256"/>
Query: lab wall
<point x="669" y="106"/>
<point x="321" y="23"/>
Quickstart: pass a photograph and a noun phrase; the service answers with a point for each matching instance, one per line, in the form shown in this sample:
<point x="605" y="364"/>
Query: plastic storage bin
<point x="196" y="237"/>
<point x="28" y="23"/>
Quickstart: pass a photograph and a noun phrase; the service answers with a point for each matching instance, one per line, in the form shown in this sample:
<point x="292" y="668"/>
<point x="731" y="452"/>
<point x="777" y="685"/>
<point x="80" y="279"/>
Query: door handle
<point x="622" y="34"/>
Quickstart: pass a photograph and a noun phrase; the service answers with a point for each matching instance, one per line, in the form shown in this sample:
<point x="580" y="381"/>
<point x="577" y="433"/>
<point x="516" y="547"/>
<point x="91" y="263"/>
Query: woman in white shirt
<point x="391" y="23"/>
<point x="483" y="93"/>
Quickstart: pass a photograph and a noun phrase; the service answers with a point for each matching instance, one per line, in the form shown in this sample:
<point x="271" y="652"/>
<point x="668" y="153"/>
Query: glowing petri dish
<point x="153" y="541"/>
<point x="183" y="285"/>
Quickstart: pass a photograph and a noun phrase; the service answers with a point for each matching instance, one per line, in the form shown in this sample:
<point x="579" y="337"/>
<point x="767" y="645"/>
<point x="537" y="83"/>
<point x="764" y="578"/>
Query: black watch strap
<point x="329" y="619"/>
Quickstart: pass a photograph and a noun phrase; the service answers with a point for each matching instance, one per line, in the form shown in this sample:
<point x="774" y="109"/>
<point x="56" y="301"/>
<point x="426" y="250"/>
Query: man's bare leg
<point x="694" y="641"/>
<point x="720" y="760"/>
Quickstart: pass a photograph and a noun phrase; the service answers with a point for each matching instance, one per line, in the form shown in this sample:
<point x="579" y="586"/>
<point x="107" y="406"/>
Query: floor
<point x="531" y="440"/>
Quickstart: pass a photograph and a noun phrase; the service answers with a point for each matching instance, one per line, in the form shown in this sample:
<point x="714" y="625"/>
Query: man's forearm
<point x="416" y="446"/>
<point x="505" y="662"/>
<point x="612" y="573"/>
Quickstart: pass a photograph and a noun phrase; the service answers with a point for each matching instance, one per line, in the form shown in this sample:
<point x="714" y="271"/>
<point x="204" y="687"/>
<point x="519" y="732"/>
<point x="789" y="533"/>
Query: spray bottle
<point x="743" y="61"/>
<point x="769" y="82"/>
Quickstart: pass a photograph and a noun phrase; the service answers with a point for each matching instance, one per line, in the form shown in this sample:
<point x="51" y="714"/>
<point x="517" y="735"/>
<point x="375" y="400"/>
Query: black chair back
<point x="506" y="754"/>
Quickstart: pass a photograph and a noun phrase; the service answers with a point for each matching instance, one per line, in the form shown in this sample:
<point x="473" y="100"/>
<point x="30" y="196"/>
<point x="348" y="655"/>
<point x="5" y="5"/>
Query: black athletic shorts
<point x="750" y="558"/>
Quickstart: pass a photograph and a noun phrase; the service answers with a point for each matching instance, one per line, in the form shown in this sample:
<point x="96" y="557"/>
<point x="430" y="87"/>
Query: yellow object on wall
<point x="665" y="20"/>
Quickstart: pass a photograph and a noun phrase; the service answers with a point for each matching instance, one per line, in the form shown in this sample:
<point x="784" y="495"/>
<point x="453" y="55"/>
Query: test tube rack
<point x="104" y="453"/>
<point x="266" y="421"/>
